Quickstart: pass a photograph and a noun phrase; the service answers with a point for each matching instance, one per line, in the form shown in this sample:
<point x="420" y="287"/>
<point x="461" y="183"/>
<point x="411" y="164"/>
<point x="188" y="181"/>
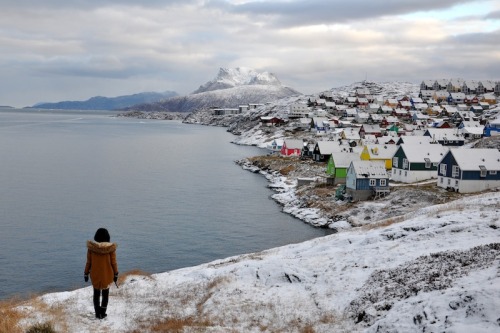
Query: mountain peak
<point x="239" y="76"/>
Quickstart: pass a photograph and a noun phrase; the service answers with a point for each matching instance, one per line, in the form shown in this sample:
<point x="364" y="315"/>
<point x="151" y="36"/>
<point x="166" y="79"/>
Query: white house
<point x="471" y="129"/>
<point x="416" y="162"/>
<point x="298" y="110"/>
<point x="470" y="170"/>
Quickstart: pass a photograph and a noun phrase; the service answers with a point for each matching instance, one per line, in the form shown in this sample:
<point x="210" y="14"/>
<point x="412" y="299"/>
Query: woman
<point x="101" y="264"/>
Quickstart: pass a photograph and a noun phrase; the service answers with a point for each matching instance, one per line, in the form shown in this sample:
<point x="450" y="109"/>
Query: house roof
<point x="329" y="147"/>
<point x="343" y="160"/>
<point x="472" y="159"/>
<point x="352" y="134"/>
<point x="416" y="139"/>
<point x="381" y="151"/>
<point x="449" y="134"/>
<point x="293" y="144"/>
<point x="371" y="128"/>
<point x="421" y="152"/>
<point x="369" y="169"/>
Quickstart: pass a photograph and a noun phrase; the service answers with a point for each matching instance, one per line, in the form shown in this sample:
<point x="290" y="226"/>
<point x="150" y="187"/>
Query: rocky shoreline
<point x="315" y="203"/>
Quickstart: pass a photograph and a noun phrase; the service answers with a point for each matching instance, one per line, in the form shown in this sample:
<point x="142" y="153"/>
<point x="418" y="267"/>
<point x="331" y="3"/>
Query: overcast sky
<point x="55" y="50"/>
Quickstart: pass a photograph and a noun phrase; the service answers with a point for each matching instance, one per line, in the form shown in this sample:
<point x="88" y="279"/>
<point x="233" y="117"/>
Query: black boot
<point x="97" y="307"/>
<point x="104" y="303"/>
<point x="103" y="313"/>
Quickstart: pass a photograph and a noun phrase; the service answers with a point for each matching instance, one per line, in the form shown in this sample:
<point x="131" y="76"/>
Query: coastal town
<point x="407" y="138"/>
<point x="353" y="145"/>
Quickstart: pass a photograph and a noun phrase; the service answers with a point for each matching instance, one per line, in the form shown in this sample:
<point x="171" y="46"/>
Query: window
<point x="395" y="161"/>
<point x="441" y="179"/>
<point x="400" y="172"/>
<point x="449" y="181"/>
<point x="427" y="163"/>
<point x="455" y="171"/>
<point x="456" y="182"/>
<point x="483" y="171"/>
<point x="493" y="172"/>
<point x="405" y="163"/>
<point x="383" y="182"/>
<point x="442" y="169"/>
<point x="373" y="182"/>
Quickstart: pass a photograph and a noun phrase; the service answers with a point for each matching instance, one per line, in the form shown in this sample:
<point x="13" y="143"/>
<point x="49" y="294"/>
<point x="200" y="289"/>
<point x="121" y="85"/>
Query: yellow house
<point x="489" y="98"/>
<point x="383" y="153"/>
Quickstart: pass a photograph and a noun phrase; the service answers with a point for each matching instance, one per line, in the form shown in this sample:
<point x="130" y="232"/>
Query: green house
<point x="336" y="168"/>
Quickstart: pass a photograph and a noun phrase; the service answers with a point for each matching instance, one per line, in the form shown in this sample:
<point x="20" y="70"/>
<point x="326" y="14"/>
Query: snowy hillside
<point x="388" y="89"/>
<point x="438" y="271"/>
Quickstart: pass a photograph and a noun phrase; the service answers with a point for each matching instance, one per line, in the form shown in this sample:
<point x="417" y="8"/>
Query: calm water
<point x="170" y="194"/>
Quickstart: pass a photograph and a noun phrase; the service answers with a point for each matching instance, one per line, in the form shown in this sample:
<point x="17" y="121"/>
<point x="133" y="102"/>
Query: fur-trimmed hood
<point x="101" y="248"/>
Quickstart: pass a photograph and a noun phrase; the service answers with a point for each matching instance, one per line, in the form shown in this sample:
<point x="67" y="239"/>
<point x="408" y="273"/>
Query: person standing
<point x="102" y="267"/>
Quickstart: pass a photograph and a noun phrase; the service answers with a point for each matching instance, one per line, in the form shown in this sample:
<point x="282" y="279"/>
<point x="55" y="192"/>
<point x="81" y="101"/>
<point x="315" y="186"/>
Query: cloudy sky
<point x="55" y="50"/>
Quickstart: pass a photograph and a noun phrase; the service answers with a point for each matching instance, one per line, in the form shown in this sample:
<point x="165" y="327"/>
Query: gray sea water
<point x="169" y="193"/>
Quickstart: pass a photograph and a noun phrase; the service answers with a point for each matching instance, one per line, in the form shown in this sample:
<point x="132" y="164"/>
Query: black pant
<point x="100" y="307"/>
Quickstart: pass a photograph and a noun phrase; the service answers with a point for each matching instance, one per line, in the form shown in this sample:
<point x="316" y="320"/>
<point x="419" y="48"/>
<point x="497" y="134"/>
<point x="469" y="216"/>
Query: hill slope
<point x="107" y="103"/>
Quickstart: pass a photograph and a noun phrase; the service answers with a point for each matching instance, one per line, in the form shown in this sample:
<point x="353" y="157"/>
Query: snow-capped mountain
<point x="240" y="76"/>
<point x="231" y="88"/>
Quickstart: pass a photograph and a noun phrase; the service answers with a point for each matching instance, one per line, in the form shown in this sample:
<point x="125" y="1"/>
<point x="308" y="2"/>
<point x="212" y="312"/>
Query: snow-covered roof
<point x="473" y="159"/>
<point x="369" y="128"/>
<point x="293" y="144"/>
<point x="420" y="152"/>
<point x="448" y="134"/>
<point x="351" y="134"/>
<point x="343" y="160"/>
<point x="381" y="151"/>
<point x="416" y="139"/>
<point x="329" y="147"/>
<point x="369" y="169"/>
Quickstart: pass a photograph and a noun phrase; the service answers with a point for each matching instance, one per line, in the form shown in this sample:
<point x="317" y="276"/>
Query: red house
<point x="292" y="147"/>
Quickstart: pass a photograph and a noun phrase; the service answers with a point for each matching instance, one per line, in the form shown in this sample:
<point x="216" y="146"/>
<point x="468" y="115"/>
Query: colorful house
<point x="366" y="179"/>
<point x="275" y="145"/>
<point x="416" y="162"/>
<point x="383" y="153"/>
<point x="324" y="149"/>
<point x="492" y="127"/>
<point x="336" y="168"/>
<point x="445" y="136"/>
<point x="292" y="147"/>
<point x="470" y="170"/>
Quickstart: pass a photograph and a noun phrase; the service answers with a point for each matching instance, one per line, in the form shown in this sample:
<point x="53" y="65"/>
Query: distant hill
<point x="231" y="88"/>
<point x="108" y="103"/>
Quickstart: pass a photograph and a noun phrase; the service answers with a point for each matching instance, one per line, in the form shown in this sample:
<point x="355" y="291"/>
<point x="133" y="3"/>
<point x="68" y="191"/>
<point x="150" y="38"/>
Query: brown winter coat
<point x="101" y="263"/>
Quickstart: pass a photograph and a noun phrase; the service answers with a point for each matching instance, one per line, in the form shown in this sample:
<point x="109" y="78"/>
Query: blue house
<point x="366" y="179"/>
<point x="492" y="127"/>
<point x="470" y="170"/>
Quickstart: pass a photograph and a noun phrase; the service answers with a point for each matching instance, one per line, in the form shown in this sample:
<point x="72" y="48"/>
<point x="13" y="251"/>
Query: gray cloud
<point x="493" y="15"/>
<point x="310" y="12"/>
<point x="88" y="4"/>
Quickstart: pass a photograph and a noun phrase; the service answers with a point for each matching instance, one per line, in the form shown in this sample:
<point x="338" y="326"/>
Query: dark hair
<point x="102" y="235"/>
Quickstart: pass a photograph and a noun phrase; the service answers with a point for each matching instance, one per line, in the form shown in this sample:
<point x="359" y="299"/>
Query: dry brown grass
<point x="178" y="324"/>
<point x="384" y="223"/>
<point x="287" y="169"/>
<point x="135" y="272"/>
<point x="9" y="317"/>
